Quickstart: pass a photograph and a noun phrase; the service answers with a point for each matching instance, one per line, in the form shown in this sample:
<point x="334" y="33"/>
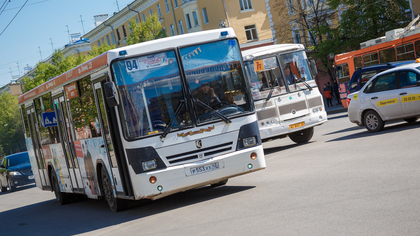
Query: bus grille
<point x="314" y="102"/>
<point x="294" y="106"/>
<point x="208" y="153"/>
<point x="267" y="113"/>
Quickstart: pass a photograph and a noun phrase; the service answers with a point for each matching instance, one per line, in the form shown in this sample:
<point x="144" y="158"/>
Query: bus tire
<point x="221" y="183"/>
<point x="3" y="189"/>
<point x="302" y="136"/>
<point x="62" y="198"/>
<point x="115" y="204"/>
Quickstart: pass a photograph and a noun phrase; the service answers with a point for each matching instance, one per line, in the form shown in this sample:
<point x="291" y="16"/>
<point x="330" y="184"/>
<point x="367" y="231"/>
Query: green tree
<point x="365" y="20"/>
<point x="146" y="31"/>
<point x="11" y="128"/>
<point x="96" y="51"/>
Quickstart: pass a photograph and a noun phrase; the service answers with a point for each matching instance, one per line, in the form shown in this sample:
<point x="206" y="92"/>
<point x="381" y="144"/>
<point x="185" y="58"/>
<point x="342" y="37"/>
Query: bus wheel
<point x="114" y="203"/>
<point x="302" y="136"/>
<point x="62" y="198"/>
<point x="221" y="183"/>
<point x="3" y="189"/>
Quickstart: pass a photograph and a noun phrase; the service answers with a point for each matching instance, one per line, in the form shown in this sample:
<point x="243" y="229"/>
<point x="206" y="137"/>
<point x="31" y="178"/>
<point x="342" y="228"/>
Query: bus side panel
<point x="60" y="168"/>
<point x="89" y="152"/>
<point x="33" y="161"/>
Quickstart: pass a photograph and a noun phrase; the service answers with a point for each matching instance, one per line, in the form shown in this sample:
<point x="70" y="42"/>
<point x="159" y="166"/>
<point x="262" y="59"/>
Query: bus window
<point x="151" y="91"/>
<point x="296" y="69"/>
<point x="371" y="59"/>
<point x="25" y="122"/>
<point x="387" y="55"/>
<point x="417" y="46"/>
<point x="48" y="135"/>
<point x="342" y="73"/>
<point x="358" y="62"/>
<point x="83" y="110"/>
<point x="262" y="75"/>
<point x="405" y="52"/>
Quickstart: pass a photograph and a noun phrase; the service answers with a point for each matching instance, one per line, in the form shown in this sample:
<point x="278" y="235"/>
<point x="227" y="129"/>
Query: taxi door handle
<point x="403" y="93"/>
<point x="374" y="98"/>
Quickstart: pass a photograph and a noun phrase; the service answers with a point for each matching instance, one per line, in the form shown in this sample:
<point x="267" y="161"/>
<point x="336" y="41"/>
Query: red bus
<point x="396" y="45"/>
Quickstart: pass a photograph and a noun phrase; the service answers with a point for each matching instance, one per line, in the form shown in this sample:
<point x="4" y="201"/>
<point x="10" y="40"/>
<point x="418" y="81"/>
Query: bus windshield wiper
<point x="171" y="122"/>
<point x="307" y="85"/>
<point x="272" y="88"/>
<point x="207" y="107"/>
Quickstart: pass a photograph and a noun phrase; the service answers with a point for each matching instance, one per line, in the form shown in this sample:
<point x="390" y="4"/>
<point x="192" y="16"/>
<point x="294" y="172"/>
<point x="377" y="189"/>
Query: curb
<point x="336" y="111"/>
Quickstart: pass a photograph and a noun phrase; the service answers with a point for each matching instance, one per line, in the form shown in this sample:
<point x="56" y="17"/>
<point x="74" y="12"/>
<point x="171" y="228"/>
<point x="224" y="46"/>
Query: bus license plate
<point x="294" y="126"/>
<point x="202" y="169"/>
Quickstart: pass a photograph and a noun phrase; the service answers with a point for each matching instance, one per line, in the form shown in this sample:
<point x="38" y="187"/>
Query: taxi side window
<point x="408" y="79"/>
<point x="384" y="83"/>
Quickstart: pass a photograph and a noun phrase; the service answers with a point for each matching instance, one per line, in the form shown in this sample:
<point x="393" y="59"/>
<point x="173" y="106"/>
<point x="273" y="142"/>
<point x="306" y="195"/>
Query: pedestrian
<point x="327" y="94"/>
<point x="337" y="94"/>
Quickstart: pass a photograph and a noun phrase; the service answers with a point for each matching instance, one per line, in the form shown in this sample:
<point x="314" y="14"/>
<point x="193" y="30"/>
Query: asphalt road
<point x="345" y="181"/>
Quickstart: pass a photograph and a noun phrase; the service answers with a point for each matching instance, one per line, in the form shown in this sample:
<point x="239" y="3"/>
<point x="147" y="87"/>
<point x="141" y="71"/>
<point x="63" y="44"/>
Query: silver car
<point x="391" y="95"/>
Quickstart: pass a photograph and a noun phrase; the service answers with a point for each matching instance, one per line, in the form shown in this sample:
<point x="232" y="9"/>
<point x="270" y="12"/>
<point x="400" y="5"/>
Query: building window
<point x="143" y="16"/>
<point x="187" y="18"/>
<point x="251" y="32"/>
<point x="129" y="26"/>
<point x="205" y="17"/>
<point x="159" y="11"/>
<point x="296" y="36"/>
<point x="118" y="35"/>
<point x="107" y="40"/>
<point x="137" y="20"/>
<point x="291" y="7"/>
<point x="172" y="30"/>
<point x="176" y="3"/>
<point x="113" y="37"/>
<point x="99" y="43"/>
<point x="103" y="40"/>
<point x="181" y="28"/>
<point x="150" y="12"/>
<point x="167" y="6"/>
<point x="195" y="18"/>
<point x="245" y="4"/>
<point x="124" y="32"/>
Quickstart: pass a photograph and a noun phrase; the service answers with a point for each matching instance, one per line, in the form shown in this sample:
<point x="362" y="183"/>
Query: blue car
<point x="363" y="74"/>
<point x="15" y="170"/>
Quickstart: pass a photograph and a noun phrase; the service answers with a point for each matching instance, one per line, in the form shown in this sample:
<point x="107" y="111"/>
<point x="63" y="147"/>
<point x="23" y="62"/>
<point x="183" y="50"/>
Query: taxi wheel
<point x="373" y="122"/>
<point x="11" y="187"/>
<point x="302" y="136"/>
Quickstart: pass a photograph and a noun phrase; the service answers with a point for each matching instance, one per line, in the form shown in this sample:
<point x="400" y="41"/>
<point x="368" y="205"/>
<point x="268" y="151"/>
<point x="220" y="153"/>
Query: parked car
<point x="15" y="170"/>
<point x="364" y="74"/>
<point x="390" y="95"/>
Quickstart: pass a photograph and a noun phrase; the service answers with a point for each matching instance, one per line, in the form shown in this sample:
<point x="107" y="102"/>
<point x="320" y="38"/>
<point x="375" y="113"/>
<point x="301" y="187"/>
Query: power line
<point x="27" y="5"/>
<point x="4" y="3"/>
<point x="14" y="17"/>
<point x="7" y="3"/>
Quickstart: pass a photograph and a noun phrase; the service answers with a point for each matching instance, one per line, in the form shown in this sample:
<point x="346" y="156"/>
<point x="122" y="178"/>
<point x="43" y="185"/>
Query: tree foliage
<point x="146" y="30"/>
<point x="11" y="128"/>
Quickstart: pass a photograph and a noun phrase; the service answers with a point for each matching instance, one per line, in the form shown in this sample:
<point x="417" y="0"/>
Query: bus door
<point x="37" y="147"/>
<point x="63" y="129"/>
<point x="109" y="147"/>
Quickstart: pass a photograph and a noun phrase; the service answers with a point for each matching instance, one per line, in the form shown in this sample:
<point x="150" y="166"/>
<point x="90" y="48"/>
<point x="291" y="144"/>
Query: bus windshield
<point x="215" y="77"/>
<point x="151" y="91"/>
<point x="296" y="70"/>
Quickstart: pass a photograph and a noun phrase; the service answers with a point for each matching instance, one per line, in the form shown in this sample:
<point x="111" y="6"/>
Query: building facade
<point x="248" y="18"/>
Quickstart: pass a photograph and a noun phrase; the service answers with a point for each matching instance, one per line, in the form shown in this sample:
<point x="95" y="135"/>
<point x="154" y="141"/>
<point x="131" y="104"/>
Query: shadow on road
<point x="389" y="128"/>
<point x="49" y="218"/>
<point x="270" y="150"/>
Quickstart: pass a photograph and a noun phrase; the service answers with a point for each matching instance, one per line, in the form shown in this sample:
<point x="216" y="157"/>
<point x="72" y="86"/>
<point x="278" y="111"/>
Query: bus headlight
<point x="149" y="165"/>
<point x="248" y="142"/>
<point x="15" y="173"/>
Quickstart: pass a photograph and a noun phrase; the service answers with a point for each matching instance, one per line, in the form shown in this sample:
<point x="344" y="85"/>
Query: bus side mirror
<point x="313" y="65"/>
<point x="111" y="94"/>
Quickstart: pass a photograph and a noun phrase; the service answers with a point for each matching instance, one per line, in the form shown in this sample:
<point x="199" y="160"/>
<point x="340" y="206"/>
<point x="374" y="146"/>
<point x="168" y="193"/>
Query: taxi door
<point x="409" y="92"/>
<point x="384" y="96"/>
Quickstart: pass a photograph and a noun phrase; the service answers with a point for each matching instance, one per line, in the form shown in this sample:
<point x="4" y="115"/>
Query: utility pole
<point x="81" y="20"/>
<point x="18" y="68"/>
<point x="68" y="32"/>
<point x="52" y="46"/>
<point x="40" y="52"/>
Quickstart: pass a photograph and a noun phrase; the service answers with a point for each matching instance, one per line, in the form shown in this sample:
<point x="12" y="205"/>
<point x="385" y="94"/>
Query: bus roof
<point x="267" y="50"/>
<point x="106" y="58"/>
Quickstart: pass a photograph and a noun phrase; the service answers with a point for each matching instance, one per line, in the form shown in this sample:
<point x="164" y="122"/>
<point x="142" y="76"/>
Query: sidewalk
<point x="335" y="109"/>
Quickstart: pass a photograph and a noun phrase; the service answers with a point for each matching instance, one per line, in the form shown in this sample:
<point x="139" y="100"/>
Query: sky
<point x="27" y="28"/>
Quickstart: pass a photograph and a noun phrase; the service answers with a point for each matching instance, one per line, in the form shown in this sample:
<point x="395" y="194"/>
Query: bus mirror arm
<point x="111" y="94"/>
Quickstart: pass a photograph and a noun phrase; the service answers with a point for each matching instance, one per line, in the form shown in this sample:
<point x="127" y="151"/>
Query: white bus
<point x="145" y="121"/>
<point x="287" y="100"/>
